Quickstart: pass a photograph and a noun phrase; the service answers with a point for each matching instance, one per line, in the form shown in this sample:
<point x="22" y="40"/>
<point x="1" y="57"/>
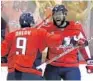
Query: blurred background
<point x="79" y="11"/>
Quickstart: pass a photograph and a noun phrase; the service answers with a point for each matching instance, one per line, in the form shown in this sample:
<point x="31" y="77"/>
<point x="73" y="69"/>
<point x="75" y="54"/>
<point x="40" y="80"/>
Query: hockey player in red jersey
<point x="67" y="67"/>
<point x="23" y="47"/>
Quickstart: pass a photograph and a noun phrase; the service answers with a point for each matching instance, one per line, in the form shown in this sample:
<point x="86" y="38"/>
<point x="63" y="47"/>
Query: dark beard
<point x="60" y="26"/>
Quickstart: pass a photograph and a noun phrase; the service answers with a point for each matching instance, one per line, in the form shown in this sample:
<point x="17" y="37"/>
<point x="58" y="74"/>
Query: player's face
<point x="58" y="17"/>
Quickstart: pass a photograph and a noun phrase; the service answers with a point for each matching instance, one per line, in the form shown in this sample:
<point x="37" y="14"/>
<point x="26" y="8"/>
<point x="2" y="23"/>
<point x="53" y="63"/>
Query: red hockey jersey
<point x="22" y="48"/>
<point x="71" y="59"/>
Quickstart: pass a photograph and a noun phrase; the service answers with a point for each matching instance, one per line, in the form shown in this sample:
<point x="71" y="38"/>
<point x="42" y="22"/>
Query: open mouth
<point x="58" y="20"/>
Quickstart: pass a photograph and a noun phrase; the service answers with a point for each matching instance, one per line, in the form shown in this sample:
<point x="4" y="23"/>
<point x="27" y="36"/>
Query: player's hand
<point x="89" y="66"/>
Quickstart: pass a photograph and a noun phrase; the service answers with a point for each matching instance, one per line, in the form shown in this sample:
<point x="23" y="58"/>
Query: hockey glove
<point x="89" y="66"/>
<point x="82" y="42"/>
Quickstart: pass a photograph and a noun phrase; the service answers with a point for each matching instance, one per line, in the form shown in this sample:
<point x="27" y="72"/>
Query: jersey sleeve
<point x="84" y="50"/>
<point x="49" y="40"/>
<point x="6" y="44"/>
